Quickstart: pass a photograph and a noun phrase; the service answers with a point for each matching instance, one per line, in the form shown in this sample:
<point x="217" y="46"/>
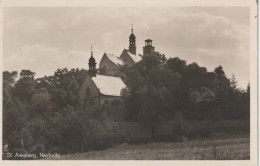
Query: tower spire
<point x="92" y="64"/>
<point x="91" y="48"/>
<point x="132" y="47"/>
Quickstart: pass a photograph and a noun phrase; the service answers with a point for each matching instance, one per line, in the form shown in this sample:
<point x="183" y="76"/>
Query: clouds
<point x="38" y="24"/>
<point x="208" y="40"/>
<point x="203" y="31"/>
<point x="45" y="59"/>
<point x="57" y="37"/>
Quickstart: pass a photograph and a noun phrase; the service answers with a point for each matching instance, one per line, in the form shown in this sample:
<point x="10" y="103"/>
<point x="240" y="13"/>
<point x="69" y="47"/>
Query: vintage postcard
<point x="112" y="82"/>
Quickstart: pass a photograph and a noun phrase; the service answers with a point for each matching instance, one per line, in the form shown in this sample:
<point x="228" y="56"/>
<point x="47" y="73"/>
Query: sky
<point x="43" y="39"/>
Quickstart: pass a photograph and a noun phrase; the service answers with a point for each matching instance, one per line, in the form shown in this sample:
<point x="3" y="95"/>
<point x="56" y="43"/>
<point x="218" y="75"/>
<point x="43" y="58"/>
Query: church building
<point x="110" y="64"/>
<point x="105" y="87"/>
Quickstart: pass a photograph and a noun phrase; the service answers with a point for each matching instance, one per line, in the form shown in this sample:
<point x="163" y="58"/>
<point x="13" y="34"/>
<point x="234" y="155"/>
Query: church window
<point x="88" y="92"/>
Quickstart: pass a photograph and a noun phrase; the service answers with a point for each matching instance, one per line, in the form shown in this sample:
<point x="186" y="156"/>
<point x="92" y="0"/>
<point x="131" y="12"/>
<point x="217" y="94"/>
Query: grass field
<point x="207" y="149"/>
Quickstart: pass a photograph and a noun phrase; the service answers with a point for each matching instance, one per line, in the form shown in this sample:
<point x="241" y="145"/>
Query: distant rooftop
<point x="116" y="60"/>
<point x="136" y="58"/>
<point x="108" y="85"/>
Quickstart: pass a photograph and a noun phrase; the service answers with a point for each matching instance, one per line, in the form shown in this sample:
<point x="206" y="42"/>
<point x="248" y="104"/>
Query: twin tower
<point x="147" y="49"/>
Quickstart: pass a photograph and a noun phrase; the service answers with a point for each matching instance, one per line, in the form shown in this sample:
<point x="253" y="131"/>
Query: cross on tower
<point x="91" y="50"/>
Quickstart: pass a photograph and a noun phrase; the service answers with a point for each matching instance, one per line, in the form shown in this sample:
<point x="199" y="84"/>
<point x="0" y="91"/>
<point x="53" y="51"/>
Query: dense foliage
<point x="160" y="89"/>
<point x="46" y="115"/>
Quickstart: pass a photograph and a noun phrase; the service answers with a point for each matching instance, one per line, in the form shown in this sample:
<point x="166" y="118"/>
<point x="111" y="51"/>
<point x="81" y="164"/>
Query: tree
<point x="233" y="82"/>
<point x="66" y="87"/>
<point x="208" y="108"/>
<point x="8" y="83"/>
<point x="27" y="74"/>
<point x="9" y="77"/>
<point x="148" y="97"/>
<point x="247" y="102"/>
<point x="24" y="88"/>
<point x="155" y="103"/>
<point x="195" y="76"/>
<point x="41" y="104"/>
<point x="219" y="72"/>
<point x="176" y="64"/>
<point x="15" y="129"/>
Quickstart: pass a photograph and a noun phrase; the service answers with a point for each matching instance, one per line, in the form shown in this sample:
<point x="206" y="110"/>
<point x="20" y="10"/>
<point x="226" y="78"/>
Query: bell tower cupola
<point x="92" y="64"/>
<point x="148" y="48"/>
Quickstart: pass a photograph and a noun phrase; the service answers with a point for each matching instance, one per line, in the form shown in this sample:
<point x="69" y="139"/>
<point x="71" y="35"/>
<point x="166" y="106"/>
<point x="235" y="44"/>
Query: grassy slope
<point x="209" y="149"/>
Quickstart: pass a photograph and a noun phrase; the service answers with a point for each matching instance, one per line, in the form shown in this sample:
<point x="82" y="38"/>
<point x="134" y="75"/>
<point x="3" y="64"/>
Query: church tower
<point x="148" y="48"/>
<point x="92" y="65"/>
<point x="132" y="47"/>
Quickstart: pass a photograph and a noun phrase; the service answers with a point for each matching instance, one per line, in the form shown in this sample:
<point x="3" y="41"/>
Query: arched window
<point x="88" y="92"/>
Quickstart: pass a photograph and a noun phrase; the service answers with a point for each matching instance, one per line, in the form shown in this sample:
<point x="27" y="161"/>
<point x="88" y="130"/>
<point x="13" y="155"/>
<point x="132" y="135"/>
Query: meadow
<point x="202" y="149"/>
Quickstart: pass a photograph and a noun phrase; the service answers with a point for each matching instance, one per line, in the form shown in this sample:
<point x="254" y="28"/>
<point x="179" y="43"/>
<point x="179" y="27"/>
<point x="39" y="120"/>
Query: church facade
<point x="105" y="87"/>
<point x="101" y="89"/>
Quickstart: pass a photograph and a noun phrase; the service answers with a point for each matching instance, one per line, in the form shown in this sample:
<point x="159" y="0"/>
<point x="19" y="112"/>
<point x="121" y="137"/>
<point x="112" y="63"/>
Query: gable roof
<point x="108" y="85"/>
<point x="116" y="60"/>
<point x="135" y="58"/>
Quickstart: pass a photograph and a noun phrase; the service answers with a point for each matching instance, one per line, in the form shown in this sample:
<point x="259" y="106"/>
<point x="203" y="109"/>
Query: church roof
<point x="116" y="60"/>
<point x="135" y="58"/>
<point x="149" y="40"/>
<point x="108" y="85"/>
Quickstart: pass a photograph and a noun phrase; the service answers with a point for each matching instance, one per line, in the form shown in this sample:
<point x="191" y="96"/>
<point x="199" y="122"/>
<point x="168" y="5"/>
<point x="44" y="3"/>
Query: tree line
<point x="45" y="114"/>
<point x="162" y="89"/>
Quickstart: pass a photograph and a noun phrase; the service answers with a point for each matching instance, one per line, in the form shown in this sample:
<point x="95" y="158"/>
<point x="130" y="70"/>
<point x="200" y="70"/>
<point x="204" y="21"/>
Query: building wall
<point x="93" y="93"/>
<point x="104" y="98"/>
<point x="111" y="69"/>
<point x="93" y="90"/>
<point x="126" y="58"/>
<point x="148" y="49"/>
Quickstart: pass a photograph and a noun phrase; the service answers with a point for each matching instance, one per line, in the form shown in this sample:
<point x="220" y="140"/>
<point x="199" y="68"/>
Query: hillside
<point x="206" y="149"/>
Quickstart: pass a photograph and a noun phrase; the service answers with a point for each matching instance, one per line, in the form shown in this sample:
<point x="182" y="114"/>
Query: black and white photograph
<point x="132" y="82"/>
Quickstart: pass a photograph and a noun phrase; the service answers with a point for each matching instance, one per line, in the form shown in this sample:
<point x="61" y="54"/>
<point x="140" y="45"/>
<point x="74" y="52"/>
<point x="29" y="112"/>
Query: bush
<point x="102" y="134"/>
